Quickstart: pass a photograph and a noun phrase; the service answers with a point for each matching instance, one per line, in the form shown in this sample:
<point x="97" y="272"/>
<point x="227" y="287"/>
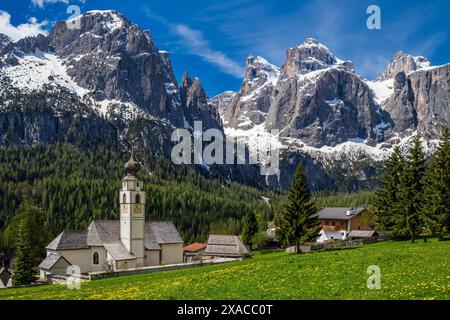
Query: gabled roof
<point x="118" y="251"/>
<point x="197" y="246"/>
<point x="5" y="275"/>
<point x="51" y="260"/>
<point x="4" y="270"/>
<point x="339" y="213"/>
<point x="101" y="232"/>
<point x="226" y="246"/>
<point x="161" y="232"/>
<point x="362" y="233"/>
<point x="69" y="240"/>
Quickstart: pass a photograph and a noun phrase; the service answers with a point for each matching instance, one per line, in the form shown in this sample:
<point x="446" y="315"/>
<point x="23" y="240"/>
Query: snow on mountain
<point x="382" y="89"/>
<point x="37" y="71"/>
<point x="112" y="20"/>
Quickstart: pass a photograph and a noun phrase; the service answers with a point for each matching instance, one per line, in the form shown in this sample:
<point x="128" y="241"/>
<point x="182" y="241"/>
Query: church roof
<point x="163" y="232"/>
<point x="118" y="251"/>
<point x="70" y="240"/>
<point x="51" y="260"/>
<point x="103" y="231"/>
<point x="106" y="233"/>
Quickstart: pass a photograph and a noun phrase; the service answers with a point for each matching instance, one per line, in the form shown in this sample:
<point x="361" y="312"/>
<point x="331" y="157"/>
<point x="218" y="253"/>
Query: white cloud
<point x="41" y="3"/>
<point x="194" y="41"/>
<point x="31" y="28"/>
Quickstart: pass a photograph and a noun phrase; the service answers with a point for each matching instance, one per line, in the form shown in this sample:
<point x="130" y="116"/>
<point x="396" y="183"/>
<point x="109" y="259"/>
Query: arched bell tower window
<point x="138" y="198"/>
<point x="124" y="198"/>
<point x="95" y="258"/>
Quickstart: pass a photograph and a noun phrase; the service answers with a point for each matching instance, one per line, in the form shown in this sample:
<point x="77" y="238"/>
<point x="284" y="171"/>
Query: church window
<point x="95" y="258"/>
<point x="137" y="183"/>
<point x="124" y="198"/>
<point x="138" y="198"/>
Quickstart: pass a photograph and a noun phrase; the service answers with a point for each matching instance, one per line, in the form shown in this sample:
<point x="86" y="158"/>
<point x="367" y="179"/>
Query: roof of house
<point x="339" y="213"/>
<point x="102" y="232"/>
<point x="51" y="260"/>
<point x="4" y="270"/>
<point x="362" y="233"/>
<point x="5" y="275"/>
<point x="69" y="240"/>
<point x="226" y="246"/>
<point x="118" y="251"/>
<point x="197" y="246"/>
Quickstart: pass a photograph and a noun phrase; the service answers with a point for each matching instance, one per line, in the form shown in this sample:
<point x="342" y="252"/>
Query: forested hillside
<point x="74" y="186"/>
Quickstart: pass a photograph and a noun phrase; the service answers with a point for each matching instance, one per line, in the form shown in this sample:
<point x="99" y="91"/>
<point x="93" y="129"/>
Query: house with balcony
<point x="337" y="223"/>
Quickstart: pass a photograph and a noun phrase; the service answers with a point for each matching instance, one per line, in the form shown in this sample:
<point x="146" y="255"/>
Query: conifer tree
<point x="387" y="200"/>
<point x="412" y="189"/>
<point x="24" y="267"/>
<point x="437" y="189"/>
<point x="249" y="228"/>
<point x="298" y="222"/>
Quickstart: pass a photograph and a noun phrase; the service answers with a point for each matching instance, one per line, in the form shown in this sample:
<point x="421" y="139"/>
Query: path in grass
<point x="409" y="271"/>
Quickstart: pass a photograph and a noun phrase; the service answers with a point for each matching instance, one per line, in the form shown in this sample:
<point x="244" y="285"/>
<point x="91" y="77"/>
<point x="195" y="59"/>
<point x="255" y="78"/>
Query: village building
<point x="194" y="252"/>
<point x="224" y="246"/>
<point x="110" y="245"/>
<point x="338" y="223"/>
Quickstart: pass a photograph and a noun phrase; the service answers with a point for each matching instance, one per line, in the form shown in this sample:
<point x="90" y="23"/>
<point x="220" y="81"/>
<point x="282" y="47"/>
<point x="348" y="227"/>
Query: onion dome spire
<point x="132" y="166"/>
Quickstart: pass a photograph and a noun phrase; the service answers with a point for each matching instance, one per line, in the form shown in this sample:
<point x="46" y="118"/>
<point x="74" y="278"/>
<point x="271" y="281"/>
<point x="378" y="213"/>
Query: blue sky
<point x="211" y="39"/>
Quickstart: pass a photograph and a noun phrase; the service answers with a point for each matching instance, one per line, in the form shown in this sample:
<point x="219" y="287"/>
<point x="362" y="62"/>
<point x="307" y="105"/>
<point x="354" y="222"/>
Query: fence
<point x="335" y="244"/>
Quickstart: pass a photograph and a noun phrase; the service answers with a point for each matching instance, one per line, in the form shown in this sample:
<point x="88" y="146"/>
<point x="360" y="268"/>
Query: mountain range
<point x="108" y="83"/>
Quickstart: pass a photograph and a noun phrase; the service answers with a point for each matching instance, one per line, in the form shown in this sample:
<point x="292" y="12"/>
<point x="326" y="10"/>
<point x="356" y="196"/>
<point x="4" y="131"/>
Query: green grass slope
<point x="409" y="271"/>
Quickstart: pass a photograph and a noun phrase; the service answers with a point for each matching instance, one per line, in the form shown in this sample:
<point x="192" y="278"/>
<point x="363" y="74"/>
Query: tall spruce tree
<point x="35" y="219"/>
<point x="387" y="199"/>
<point x="437" y="189"/>
<point x="249" y="229"/>
<point x="412" y="184"/>
<point x="24" y="266"/>
<point x="298" y="222"/>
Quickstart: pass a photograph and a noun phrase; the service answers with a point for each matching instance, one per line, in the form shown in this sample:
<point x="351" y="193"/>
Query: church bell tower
<point x="132" y="211"/>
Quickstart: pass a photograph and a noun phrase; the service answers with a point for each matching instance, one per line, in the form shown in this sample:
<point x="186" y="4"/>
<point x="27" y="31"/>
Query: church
<point x="112" y="245"/>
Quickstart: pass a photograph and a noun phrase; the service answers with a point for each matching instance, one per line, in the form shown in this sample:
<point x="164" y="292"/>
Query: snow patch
<point x="34" y="71"/>
<point x="382" y="90"/>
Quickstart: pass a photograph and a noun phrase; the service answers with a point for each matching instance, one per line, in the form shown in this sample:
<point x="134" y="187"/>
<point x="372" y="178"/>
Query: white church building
<point x="110" y="245"/>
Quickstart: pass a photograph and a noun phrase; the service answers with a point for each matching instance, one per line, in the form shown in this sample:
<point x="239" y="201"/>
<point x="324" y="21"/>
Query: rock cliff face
<point x="403" y="62"/>
<point x="346" y="123"/>
<point x="250" y="105"/>
<point x="421" y="100"/>
<point x="196" y="104"/>
<point x="319" y="100"/>
<point x="311" y="56"/>
<point x="105" y="82"/>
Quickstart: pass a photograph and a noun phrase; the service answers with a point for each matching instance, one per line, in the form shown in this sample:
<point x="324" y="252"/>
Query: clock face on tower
<point x="124" y="208"/>
<point x="137" y="208"/>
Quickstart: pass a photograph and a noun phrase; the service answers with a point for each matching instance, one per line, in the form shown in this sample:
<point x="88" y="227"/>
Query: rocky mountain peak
<point x="309" y="56"/>
<point x="193" y="96"/>
<point x="4" y="40"/>
<point x="403" y="62"/>
<point x="186" y="81"/>
<point x="258" y="72"/>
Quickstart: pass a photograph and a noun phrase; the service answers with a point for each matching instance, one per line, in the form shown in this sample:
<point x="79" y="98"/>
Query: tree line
<point x="415" y="195"/>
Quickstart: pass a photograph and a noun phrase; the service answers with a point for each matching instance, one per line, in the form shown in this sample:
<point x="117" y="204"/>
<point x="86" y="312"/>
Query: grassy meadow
<point x="408" y="271"/>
